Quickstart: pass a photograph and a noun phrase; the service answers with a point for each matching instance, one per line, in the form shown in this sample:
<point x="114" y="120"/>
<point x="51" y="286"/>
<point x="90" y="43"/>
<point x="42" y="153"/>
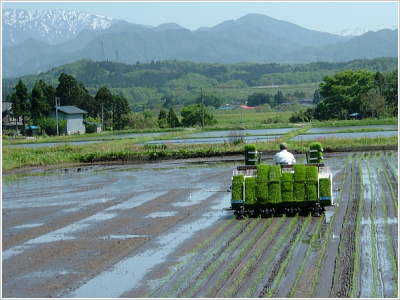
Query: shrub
<point x="299" y="185"/>
<point x="287" y="187"/>
<point x="237" y="187"/>
<point x="262" y="184"/>
<point x="312" y="183"/>
<point x="274" y="184"/>
<point x="250" y="190"/>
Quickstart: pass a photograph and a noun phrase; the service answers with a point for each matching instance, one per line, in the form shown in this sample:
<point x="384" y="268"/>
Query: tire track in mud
<point x="384" y="214"/>
<point x="368" y="268"/>
<point x="321" y="279"/>
<point x="344" y="266"/>
<point x="270" y="288"/>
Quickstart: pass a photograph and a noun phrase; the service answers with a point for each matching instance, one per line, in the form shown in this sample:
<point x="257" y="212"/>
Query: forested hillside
<point x="151" y="85"/>
<point x="252" y="38"/>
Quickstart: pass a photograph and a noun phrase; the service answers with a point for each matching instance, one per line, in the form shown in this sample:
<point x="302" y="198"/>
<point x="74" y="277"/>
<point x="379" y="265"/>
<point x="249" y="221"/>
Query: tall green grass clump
<point x="262" y="184"/>
<point x="250" y="190"/>
<point x="299" y="186"/>
<point x="318" y="154"/>
<point x="325" y="188"/>
<point x="274" y="184"/>
<point x="237" y="187"/>
<point x="287" y="187"/>
<point x="312" y="183"/>
<point x="250" y="155"/>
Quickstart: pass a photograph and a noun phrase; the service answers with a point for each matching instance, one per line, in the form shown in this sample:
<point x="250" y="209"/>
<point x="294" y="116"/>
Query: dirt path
<point x="159" y="230"/>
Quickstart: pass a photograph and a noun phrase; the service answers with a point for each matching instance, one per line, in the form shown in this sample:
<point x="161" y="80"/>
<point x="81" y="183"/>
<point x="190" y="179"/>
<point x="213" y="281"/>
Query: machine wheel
<point x="240" y="213"/>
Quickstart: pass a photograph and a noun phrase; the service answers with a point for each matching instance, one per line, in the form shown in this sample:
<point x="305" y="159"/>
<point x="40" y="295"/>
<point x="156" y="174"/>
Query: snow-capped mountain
<point x="357" y="31"/>
<point x="50" y="26"/>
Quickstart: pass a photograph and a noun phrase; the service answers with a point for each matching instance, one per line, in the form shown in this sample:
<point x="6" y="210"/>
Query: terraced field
<point x="160" y="230"/>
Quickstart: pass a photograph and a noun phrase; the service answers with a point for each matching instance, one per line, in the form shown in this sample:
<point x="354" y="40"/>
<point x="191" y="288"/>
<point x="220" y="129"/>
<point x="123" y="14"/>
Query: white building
<point x="74" y="118"/>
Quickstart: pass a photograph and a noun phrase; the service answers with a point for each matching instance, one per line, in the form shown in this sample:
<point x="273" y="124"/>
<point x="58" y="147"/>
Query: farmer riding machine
<point x="273" y="190"/>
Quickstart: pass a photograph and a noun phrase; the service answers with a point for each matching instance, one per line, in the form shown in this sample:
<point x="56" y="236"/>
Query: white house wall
<point x="75" y="124"/>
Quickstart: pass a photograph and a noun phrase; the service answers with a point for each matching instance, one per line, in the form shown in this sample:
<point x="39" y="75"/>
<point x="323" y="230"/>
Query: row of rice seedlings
<point x="340" y="248"/>
<point x="284" y="265"/>
<point x="394" y="168"/>
<point x="395" y="200"/>
<point x="357" y="233"/>
<point x="237" y="260"/>
<point x="388" y="238"/>
<point x="313" y="241"/>
<point x="328" y="233"/>
<point x="373" y="243"/>
<point x="267" y="263"/>
<point x="199" y="248"/>
<point x="213" y="266"/>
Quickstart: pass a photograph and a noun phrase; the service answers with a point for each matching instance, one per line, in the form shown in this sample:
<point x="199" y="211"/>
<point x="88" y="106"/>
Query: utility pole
<point x="202" y="108"/>
<point x="102" y="117"/>
<point x="56" y="113"/>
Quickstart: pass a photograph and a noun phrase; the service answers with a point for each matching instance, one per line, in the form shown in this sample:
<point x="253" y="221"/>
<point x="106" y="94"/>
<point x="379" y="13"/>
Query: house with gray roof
<point x="10" y="121"/>
<point x="74" y="117"/>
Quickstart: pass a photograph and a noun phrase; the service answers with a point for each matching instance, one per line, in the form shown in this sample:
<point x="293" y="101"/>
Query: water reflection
<point x="345" y="135"/>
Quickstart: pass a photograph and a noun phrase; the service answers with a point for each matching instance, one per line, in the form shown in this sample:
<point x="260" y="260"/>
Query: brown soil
<point x="159" y="230"/>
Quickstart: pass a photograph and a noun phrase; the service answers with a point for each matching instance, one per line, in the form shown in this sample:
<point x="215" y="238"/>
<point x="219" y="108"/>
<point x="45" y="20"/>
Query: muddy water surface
<point x="160" y="230"/>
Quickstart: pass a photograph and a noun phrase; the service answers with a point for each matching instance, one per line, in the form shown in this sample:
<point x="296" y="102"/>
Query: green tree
<point x="49" y="92"/>
<point x="119" y="109"/>
<point x="279" y="98"/>
<point x="167" y="101"/>
<point x="317" y="97"/>
<point x="379" y="82"/>
<point x="391" y="92"/>
<point x="210" y="100"/>
<point x="373" y="103"/>
<point x="172" y="119"/>
<point x="49" y="125"/>
<point x="39" y="105"/>
<point x="20" y="103"/>
<point x="257" y="99"/>
<point x="162" y="119"/>
<point x="87" y="102"/>
<point x="104" y="98"/>
<point x="342" y="93"/>
<point x="192" y="115"/>
<point x="67" y="90"/>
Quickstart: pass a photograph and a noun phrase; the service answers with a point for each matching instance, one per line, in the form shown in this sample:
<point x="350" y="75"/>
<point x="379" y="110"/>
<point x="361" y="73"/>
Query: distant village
<point x="304" y="102"/>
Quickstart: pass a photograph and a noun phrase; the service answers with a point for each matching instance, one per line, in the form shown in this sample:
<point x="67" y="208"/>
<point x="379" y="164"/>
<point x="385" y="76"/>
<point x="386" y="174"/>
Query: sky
<point x="332" y="16"/>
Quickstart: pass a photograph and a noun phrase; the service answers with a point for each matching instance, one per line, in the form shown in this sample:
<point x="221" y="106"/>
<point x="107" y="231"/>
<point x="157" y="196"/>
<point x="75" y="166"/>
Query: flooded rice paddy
<point x="161" y="230"/>
<point x="249" y="136"/>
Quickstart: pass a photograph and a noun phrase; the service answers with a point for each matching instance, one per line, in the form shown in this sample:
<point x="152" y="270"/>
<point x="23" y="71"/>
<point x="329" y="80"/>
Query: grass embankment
<point x="127" y="149"/>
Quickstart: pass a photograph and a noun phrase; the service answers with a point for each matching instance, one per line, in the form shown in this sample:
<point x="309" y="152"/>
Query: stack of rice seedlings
<point x="250" y="190"/>
<point x="237" y="187"/>
<point x="250" y="155"/>
<point x="312" y="183"/>
<point x="287" y="187"/>
<point x="316" y="153"/>
<point x="325" y="189"/>
<point x="299" y="183"/>
<point x="262" y="184"/>
<point x="274" y="184"/>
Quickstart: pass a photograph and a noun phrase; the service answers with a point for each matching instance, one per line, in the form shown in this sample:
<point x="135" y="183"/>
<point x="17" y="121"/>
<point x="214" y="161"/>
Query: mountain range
<point x="36" y="41"/>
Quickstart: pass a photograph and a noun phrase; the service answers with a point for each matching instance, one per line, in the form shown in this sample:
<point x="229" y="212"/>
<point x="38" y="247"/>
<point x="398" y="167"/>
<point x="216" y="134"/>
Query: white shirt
<point x="284" y="157"/>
